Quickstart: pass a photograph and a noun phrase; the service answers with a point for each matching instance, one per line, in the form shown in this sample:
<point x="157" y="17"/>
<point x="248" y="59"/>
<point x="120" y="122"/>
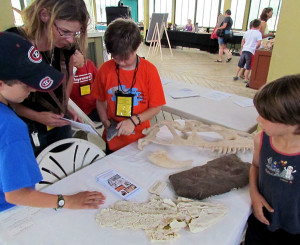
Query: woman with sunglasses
<point x="55" y="27"/>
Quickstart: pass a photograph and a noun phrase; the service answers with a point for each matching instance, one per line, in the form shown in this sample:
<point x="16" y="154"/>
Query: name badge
<point x="124" y="104"/>
<point x="85" y="89"/>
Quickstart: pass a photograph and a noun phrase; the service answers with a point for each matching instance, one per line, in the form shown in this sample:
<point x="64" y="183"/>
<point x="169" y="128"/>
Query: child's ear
<point x="44" y="15"/>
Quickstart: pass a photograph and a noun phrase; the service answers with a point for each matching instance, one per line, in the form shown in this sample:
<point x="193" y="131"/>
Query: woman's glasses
<point x="66" y="34"/>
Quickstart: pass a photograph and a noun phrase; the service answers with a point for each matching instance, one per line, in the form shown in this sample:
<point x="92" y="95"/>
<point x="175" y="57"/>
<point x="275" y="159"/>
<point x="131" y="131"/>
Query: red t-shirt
<point x="148" y="93"/>
<point x="84" y="76"/>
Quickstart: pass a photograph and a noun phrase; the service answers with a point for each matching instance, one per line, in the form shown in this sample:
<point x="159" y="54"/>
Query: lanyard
<point x="133" y="79"/>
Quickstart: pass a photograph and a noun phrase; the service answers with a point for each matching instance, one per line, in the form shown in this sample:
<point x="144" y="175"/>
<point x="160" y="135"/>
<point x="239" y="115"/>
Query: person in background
<point x="23" y="70"/>
<point x="189" y="27"/>
<point x="227" y="24"/>
<point x="54" y="27"/>
<point x="250" y="42"/>
<point x="275" y="170"/>
<point x="128" y="88"/>
<point x="266" y="14"/>
<point x="84" y="75"/>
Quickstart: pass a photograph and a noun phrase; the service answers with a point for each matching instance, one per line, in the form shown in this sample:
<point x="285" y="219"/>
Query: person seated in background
<point x="84" y="74"/>
<point x="128" y="88"/>
<point x="189" y="27"/>
<point x="23" y="70"/>
<point x="250" y="42"/>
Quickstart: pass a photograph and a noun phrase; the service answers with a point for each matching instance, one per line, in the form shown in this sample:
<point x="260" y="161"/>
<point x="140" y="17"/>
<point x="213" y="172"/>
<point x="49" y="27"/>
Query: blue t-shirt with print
<point x="18" y="166"/>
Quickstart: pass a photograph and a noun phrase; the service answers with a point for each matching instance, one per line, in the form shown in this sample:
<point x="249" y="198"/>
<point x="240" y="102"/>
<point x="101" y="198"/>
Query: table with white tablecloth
<point x="225" y="112"/>
<point x="34" y="226"/>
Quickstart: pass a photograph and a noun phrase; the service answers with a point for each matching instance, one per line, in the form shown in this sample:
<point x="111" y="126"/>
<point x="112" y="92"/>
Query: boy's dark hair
<point x="228" y="11"/>
<point x="264" y="13"/>
<point x="279" y="101"/>
<point x="122" y="37"/>
<point x="255" y="23"/>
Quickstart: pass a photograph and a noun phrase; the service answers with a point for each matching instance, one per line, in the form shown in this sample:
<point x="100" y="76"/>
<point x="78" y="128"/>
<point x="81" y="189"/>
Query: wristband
<point x="137" y="116"/>
<point x="132" y="121"/>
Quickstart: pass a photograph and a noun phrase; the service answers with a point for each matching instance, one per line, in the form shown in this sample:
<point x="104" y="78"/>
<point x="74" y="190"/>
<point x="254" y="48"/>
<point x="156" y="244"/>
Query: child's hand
<point x="84" y="200"/>
<point x="125" y="127"/>
<point x="258" y="203"/>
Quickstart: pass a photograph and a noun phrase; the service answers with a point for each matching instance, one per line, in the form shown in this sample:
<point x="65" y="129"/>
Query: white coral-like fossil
<point x="188" y="135"/>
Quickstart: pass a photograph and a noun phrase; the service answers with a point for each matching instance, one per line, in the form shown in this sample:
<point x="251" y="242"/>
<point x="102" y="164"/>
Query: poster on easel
<point x="156" y="29"/>
<point x="159" y="19"/>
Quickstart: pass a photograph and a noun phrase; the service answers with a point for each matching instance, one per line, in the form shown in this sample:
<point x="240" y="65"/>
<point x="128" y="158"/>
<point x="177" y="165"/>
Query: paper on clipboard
<point x="82" y="126"/>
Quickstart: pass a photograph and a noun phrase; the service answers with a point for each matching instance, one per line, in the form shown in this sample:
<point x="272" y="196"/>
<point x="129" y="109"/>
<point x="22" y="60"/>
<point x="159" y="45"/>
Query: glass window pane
<point x="164" y="6"/>
<point x="100" y="8"/>
<point x="184" y="10"/>
<point x="140" y="10"/>
<point x="207" y="13"/>
<point x="237" y="13"/>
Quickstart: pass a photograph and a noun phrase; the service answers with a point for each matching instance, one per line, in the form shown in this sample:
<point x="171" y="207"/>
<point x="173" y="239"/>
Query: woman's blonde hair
<point x="70" y="10"/>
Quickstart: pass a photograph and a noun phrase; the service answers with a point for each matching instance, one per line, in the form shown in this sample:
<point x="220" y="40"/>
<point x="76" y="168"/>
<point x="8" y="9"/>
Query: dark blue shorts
<point x="245" y="59"/>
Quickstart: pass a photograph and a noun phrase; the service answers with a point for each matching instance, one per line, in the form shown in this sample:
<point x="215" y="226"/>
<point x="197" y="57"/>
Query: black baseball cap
<point x="20" y="60"/>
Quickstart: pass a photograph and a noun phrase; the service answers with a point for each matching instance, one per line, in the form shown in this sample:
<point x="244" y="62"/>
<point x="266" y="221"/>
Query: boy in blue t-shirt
<point x="23" y="71"/>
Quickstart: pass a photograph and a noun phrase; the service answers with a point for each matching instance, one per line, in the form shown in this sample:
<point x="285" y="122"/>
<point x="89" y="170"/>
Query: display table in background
<point x="34" y="226"/>
<point x="201" y="41"/>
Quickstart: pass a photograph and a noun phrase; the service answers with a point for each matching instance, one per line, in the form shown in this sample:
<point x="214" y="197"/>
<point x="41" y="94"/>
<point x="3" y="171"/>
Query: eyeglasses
<point x="66" y="34"/>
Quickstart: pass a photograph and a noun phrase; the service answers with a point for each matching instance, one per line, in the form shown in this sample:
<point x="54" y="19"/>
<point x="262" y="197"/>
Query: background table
<point x="78" y="227"/>
<point x="224" y="112"/>
<point x="201" y="41"/>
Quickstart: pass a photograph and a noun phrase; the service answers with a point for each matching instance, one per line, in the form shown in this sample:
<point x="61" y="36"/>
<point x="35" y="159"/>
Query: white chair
<point x="55" y="164"/>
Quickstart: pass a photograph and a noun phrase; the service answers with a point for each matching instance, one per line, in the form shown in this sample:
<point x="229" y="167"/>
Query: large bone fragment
<point x="161" y="159"/>
<point x="187" y="135"/>
<point x="162" y="219"/>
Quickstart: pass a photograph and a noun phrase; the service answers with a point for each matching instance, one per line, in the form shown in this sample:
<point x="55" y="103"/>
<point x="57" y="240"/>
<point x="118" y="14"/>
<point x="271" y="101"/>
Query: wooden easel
<point x="155" y="41"/>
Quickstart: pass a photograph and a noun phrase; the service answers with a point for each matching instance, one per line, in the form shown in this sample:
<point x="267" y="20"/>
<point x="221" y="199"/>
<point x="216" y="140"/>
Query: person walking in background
<point x="226" y="26"/>
<point x="250" y="42"/>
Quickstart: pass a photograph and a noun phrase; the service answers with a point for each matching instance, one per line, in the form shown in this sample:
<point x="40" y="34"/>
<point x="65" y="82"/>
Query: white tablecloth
<point x="224" y="112"/>
<point x="78" y="227"/>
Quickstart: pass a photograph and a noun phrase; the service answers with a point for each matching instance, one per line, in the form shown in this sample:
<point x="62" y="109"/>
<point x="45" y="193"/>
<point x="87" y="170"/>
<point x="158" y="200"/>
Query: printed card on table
<point x="118" y="184"/>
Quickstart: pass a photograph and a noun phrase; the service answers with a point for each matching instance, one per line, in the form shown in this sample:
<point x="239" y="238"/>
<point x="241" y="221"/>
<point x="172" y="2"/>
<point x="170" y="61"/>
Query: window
<point x="100" y="7"/>
<point x="237" y="13"/>
<point x="160" y="6"/>
<point x="207" y="13"/>
<point x="140" y="10"/>
<point x="257" y="7"/>
<point x="184" y="10"/>
<point x="18" y="6"/>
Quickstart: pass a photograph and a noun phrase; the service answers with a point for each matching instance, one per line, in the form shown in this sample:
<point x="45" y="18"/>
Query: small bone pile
<point x="162" y="219"/>
<point x="231" y="142"/>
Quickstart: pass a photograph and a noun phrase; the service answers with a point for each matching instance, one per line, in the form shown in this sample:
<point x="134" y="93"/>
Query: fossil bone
<point x="160" y="158"/>
<point x="232" y="140"/>
<point x="162" y="219"/>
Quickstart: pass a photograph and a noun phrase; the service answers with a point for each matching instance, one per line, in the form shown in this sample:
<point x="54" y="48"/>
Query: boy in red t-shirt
<point x="128" y="88"/>
<point x="84" y="75"/>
